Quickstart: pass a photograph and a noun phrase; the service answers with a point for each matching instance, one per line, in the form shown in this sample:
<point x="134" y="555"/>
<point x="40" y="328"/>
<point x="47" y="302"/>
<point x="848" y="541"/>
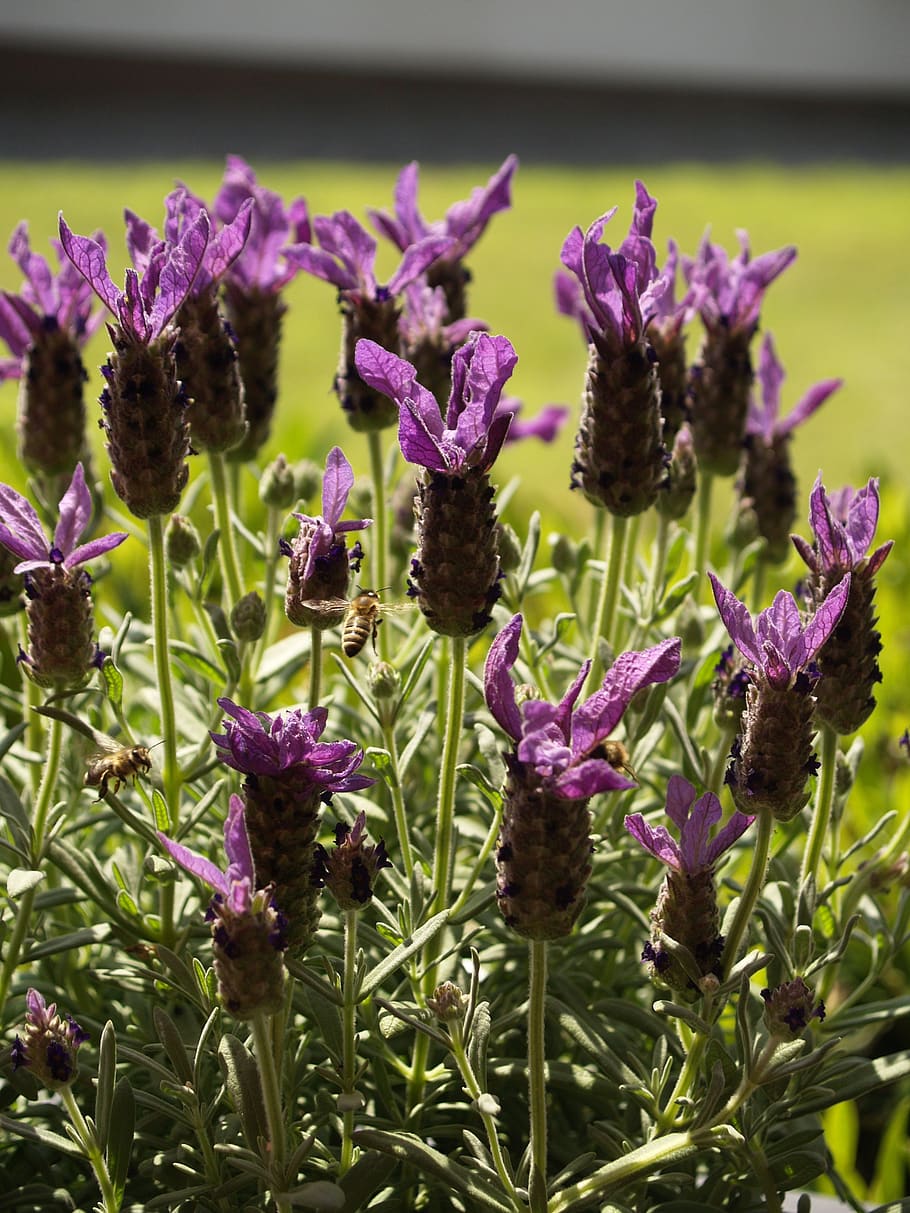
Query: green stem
<point x="749" y="896"/>
<point x="721" y="758"/>
<point x="605" y="614"/>
<point x="401" y="820"/>
<point x="537" y="1073"/>
<point x="703" y="522"/>
<point x="90" y="1145"/>
<point x="227" y="549"/>
<point x="14" y="944"/>
<point x="315" y="667"/>
<point x="167" y="715"/>
<point x="378" y="559"/>
<point x="445" y="806"/>
<point x="271" y="1097"/>
<point x="45" y="796"/>
<point x="472" y="1087"/>
<point x="824" y="800"/>
<point x="349" y="1039"/>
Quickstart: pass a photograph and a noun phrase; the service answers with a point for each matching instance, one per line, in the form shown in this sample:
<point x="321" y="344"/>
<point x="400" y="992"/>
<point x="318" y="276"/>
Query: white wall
<point x="859" y="46"/>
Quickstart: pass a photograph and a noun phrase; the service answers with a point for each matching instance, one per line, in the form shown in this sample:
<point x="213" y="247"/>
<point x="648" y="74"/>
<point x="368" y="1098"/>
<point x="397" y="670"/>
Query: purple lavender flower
<point x="50" y="1044"/>
<point x="620" y="459"/>
<point x="455" y="574"/>
<point x="152" y="297"/>
<point x="22" y="533"/>
<point x="696" y="851"/>
<point x="545" y="425"/>
<point x="464" y="222"/>
<point x="767" y="485"/>
<point x="686" y="909"/>
<point x="772" y="756"/>
<point x="730" y="298"/>
<point x="143" y="403"/>
<point x="248" y="931"/>
<point x="319" y="569"/>
<point x="46" y="325"/>
<point x="346" y="258"/>
<point x="844" y="525"/>
<point x="286" y="746"/>
<point x="790" y="1008"/>
<point x="288" y="773"/>
<point x="562" y="756"/>
<point x="350" y="869"/>
<point x="620" y="291"/>
<point x="563" y="743"/>
<point x="428" y="340"/>
<point x="778" y="644"/>
<point x="61" y="651"/>
<point x="253" y="286"/>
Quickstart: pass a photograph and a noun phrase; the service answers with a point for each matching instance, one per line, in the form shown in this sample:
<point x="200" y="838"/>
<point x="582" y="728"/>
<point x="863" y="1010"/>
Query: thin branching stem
<point x="349" y="1039"/>
<point x="271" y="1097"/>
<point x="824" y="801"/>
<point x="537" y="1073"/>
<point x="89" y="1143"/>
<point x="227" y="548"/>
<point x="605" y="615"/>
<point x="379" y="556"/>
<point x="753" y="886"/>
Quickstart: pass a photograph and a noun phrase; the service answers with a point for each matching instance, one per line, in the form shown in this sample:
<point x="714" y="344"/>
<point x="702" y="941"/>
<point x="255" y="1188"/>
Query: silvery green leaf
<point x="113" y="682"/>
<point x="173" y="1044"/>
<point x="407" y="1147"/>
<point x="20" y="880"/>
<point x="104" y="1091"/>
<point x="388" y="965"/>
<point x="241" y="1078"/>
<point x="120" y="1134"/>
<point x="67" y="943"/>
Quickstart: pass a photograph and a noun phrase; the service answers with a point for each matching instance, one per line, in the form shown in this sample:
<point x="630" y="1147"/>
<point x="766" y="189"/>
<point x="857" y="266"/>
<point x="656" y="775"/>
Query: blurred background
<point x="580" y="82"/>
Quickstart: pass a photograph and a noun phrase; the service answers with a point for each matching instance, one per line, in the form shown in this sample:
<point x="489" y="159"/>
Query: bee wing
<point x="327" y="604"/>
<point x="396" y="608"/>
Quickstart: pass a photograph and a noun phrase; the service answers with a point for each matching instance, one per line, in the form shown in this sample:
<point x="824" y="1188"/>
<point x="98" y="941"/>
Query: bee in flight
<point x="119" y="764"/>
<point x="616" y="754"/>
<point x="361" y="622"/>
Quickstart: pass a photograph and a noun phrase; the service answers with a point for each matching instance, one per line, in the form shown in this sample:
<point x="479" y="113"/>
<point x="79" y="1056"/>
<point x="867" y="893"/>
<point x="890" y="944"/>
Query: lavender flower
<point x="346" y="258"/>
<point x="428" y="340"/>
<point x="206" y="357"/>
<point x="766" y="484"/>
<point x="843" y="526"/>
<point x="619" y="456"/>
<point x="288" y="773"/>
<point x="464" y="223"/>
<point x="349" y="870"/>
<point x="455" y="574"/>
<point x="790" y="1008"/>
<point x="730" y="297"/>
<point x="59" y="612"/>
<point x="563" y="755"/>
<point x="545" y="425"/>
<point x="319" y="569"/>
<point x="143" y="403"/>
<point x="50" y="1044"/>
<point x="772" y="755"/>
<point x="248" y="933"/>
<point x="253" y="287"/>
<point x="686" y="909"/>
<point x="45" y="326"/>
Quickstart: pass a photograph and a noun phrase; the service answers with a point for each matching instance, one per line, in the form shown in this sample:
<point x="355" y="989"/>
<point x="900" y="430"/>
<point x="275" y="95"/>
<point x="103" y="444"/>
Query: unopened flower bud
<point x="564" y="555"/>
<point x="181" y="540"/>
<point x="790" y="1007"/>
<point x="248" y="617"/>
<point x="277" y="484"/>
<point x="307" y="479"/>
<point x="509" y="547"/>
<point x="384" y="680"/>
<point x="448" y="1002"/>
<point x="361" y="496"/>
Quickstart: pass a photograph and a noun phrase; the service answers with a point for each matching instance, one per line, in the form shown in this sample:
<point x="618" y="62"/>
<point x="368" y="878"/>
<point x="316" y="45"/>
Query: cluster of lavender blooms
<point x="195" y="367"/>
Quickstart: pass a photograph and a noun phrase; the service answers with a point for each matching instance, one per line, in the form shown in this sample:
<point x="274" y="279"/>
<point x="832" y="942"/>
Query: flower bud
<point x="509" y="547"/>
<point x="49" y="1044"/>
<point x="181" y="541"/>
<point x="248" y="617"/>
<point x="448" y="1002"/>
<point x="349" y="870"/>
<point x="384" y="680"/>
<point x="277" y="484"/>
<point x="790" y="1007"/>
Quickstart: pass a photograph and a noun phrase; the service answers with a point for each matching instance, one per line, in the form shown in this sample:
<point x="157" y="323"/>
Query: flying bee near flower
<point x="616" y="754"/>
<point x="363" y="615"/>
<point x="120" y="764"/>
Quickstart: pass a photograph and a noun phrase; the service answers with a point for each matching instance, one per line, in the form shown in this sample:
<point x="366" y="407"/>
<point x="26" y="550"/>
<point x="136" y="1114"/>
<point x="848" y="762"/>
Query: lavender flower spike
<point x="50" y="1045"/>
<point x="686" y="909"/>
<point x="248" y="931"/>
<point x="22" y="533"/>
<point x="766" y="484"/>
<point x="772" y="756"/>
<point x="559" y="759"/>
<point x="844" y="525"/>
<point x="319" y="570"/>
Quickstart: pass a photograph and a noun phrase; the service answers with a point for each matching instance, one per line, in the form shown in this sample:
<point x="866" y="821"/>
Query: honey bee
<point x="120" y="764"/>
<point x="361" y="622"/>
<point x="616" y="754"/>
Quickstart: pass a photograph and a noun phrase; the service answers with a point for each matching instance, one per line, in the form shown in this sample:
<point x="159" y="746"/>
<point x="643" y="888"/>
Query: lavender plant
<point x="528" y="995"/>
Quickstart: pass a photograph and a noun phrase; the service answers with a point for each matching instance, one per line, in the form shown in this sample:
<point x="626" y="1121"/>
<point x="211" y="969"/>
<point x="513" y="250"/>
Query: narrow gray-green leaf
<point x="241" y="1078"/>
<point x="412" y="1149"/>
<point x="104" y="1091"/>
<point x="20" y="880"/>
<point x="113" y="683"/>
<point x="120" y="1135"/>
<point x="401" y="954"/>
<point x="66" y="943"/>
